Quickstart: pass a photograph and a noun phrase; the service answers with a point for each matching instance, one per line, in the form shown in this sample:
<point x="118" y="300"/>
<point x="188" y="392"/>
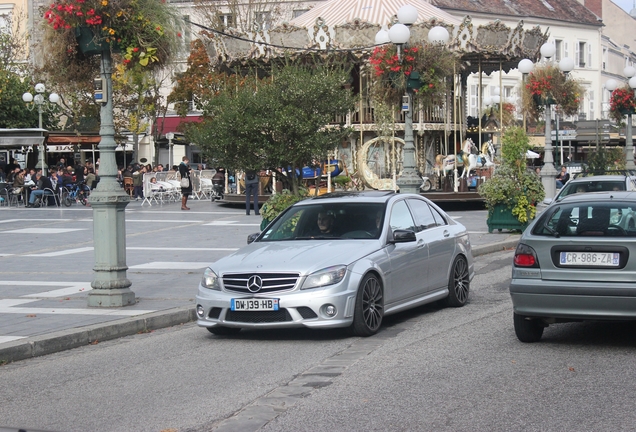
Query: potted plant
<point x="144" y="31"/>
<point x="622" y="102"/>
<point x="512" y="191"/>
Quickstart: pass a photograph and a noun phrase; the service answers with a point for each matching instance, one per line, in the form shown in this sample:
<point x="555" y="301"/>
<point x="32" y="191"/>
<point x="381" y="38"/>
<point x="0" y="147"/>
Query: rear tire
<point x="66" y="200"/>
<point x="223" y="331"/>
<point x="369" y="310"/>
<point x="458" y="283"/>
<point x="527" y="329"/>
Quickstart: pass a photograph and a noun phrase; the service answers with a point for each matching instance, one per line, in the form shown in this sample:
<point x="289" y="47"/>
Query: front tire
<point x="223" y="331"/>
<point x="369" y="310"/>
<point x="458" y="283"/>
<point x="527" y="329"/>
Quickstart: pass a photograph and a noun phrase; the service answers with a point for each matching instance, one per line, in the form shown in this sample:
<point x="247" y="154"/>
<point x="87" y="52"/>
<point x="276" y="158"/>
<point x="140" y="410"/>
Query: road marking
<point x="158" y="265"/>
<point x="42" y="230"/>
<point x="181" y="249"/>
<point x="62" y="252"/>
<point x="6" y="307"/>
<point x="70" y="288"/>
<point x="167" y="221"/>
<point x="230" y="223"/>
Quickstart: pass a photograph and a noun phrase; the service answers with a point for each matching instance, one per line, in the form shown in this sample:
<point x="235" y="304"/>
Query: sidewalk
<point x="164" y="299"/>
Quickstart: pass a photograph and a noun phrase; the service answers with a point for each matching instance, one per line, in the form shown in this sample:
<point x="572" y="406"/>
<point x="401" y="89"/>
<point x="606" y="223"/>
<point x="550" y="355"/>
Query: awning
<point x="17" y="138"/>
<point x="73" y="139"/>
<point x="172" y="124"/>
<point x="70" y="148"/>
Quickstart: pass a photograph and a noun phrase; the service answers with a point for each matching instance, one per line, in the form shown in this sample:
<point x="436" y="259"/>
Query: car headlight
<point x="210" y="279"/>
<point x="324" y="277"/>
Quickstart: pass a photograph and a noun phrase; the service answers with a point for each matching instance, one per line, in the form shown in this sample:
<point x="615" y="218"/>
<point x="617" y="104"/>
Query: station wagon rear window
<point x="589" y="219"/>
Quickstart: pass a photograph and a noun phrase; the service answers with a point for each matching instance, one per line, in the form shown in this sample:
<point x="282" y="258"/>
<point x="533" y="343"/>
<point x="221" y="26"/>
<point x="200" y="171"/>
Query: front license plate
<point x="254" y="304"/>
<point x="591" y="259"/>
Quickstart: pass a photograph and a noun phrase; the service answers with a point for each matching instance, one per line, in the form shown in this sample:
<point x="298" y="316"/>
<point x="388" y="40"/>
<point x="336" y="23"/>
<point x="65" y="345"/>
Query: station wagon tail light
<point x="210" y="279"/>
<point x="324" y="277"/>
<point x="525" y="256"/>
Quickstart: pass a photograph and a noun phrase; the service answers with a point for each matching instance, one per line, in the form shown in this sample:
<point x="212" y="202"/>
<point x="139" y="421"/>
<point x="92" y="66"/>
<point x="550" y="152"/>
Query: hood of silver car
<point x="303" y="256"/>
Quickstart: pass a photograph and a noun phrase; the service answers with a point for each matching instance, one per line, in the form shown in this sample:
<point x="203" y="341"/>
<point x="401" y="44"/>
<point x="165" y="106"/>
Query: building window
<point x="604" y="65"/>
<point x="227" y="20"/>
<point x="558" y="45"/>
<point x="263" y="18"/>
<point x="580" y="54"/>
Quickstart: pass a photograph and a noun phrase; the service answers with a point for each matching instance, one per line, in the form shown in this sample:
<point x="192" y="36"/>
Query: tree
<point x="280" y="122"/>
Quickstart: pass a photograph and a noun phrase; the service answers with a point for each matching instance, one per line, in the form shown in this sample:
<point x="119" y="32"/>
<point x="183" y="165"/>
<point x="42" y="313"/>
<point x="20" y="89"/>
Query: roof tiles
<point x="559" y="10"/>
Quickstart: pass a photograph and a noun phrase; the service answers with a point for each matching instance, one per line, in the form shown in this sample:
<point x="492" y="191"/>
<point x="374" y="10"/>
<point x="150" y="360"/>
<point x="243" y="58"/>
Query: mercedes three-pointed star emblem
<point x="254" y="283"/>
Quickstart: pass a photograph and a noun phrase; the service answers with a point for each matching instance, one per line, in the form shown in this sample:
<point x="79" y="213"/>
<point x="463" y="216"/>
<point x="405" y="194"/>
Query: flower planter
<point x="89" y="44"/>
<point x="500" y="217"/>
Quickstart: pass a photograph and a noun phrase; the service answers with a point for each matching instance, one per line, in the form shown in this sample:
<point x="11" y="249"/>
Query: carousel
<point x="374" y="155"/>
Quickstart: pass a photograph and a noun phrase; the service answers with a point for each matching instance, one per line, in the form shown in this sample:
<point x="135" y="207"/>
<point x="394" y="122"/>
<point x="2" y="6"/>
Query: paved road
<point x="431" y="368"/>
<point x="46" y="260"/>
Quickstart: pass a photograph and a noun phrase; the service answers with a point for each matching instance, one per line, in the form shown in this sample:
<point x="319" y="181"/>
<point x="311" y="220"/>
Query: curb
<point x="68" y="339"/>
<point x="496" y="247"/>
<point x="51" y="343"/>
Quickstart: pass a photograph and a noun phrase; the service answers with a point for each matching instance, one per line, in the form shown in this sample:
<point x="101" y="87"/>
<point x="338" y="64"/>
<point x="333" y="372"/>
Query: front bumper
<point x="298" y="308"/>
<point x="583" y="301"/>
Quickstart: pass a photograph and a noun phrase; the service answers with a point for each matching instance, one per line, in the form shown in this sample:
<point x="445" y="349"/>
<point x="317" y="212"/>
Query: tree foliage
<point x="280" y="121"/>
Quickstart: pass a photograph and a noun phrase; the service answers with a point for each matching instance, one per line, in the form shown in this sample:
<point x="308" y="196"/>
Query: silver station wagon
<point x="339" y="260"/>
<point x="576" y="262"/>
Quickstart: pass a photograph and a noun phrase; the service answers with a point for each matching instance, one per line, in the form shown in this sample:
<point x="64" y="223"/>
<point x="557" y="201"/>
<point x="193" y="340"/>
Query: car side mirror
<point x="252" y="237"/>
<point x="403" y="236"/>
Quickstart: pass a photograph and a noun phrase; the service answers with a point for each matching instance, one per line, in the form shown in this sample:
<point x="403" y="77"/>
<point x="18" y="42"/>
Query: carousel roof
<point x="381" y="12"/>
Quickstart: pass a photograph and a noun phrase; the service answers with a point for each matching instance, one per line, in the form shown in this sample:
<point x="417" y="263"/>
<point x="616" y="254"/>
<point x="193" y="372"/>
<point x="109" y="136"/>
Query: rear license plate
<point x="590" y="259"/>
<point x="254" y="304"/>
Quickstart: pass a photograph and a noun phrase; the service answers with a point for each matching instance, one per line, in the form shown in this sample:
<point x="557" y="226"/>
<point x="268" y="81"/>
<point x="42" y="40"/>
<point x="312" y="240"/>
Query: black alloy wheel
<point x="369" y="310"/>
<point x="458" y="283"/>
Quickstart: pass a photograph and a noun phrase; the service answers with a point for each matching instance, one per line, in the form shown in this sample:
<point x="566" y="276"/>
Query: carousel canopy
<point x="380" y="12"/>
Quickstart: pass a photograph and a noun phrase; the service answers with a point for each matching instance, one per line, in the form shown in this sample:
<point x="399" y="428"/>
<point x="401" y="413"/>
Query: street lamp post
<point x="39" y="101"/>
<point x="399" y="34"/>
<point x="525" y="67"/>
<point x="549" y="172"/>
<point x="611" y="85"/>
<point x="111" y="288"/>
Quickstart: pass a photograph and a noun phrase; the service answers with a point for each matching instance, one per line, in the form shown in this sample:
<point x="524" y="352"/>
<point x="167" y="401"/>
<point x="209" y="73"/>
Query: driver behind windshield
<point x="324" y="225"/>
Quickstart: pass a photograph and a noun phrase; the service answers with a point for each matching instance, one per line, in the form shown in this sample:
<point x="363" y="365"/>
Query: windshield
<point x="328" y="221"/>
<point x="609" y="219"/>
<point x="591" y="186"/>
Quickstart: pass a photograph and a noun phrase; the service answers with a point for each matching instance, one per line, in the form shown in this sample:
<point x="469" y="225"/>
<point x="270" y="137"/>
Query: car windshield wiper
<point x="317" y="237"/>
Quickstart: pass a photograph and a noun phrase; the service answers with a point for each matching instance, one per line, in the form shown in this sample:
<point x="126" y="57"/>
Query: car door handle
<point x="420" y="243"/>
<point x="446" y="233"/>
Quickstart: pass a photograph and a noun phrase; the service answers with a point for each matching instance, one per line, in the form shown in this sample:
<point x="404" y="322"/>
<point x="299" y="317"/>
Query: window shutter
<point x="577" y="58"/>
<point x="589" y="55"/>
<point x="566" y="49"/>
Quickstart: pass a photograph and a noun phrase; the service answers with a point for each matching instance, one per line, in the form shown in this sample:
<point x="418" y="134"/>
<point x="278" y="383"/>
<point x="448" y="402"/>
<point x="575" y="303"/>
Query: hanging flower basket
<point x="549" y="86"/>
<point x="145" y="31"/>
<point x="622" y="102"/>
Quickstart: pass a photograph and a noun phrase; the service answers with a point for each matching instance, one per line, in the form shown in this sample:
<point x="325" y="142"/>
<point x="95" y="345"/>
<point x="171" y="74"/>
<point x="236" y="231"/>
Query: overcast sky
<point x="627" y="5"/>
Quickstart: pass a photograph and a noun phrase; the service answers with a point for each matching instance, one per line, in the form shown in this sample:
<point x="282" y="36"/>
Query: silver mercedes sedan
<point x="339" y="260"/>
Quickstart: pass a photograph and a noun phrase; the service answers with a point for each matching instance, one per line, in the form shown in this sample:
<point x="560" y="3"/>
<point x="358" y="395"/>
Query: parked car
<point x="576" y="261"/>
<point x="596" y="183"/>
<point x="339" y="260"/>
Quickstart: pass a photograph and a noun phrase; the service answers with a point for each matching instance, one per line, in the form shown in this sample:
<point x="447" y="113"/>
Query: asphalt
<point x="162" y="301"/>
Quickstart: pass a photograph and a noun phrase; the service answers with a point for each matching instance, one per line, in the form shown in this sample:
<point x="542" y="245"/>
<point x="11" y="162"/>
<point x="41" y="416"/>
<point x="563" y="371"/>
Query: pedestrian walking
<point x="251" y="188"/>
<point x="186" y="191"/>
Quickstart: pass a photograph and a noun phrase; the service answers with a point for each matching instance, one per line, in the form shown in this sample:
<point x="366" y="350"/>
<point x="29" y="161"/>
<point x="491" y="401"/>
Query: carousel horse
<point x="488" y="152"/>
<point x="466" y="158"/>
